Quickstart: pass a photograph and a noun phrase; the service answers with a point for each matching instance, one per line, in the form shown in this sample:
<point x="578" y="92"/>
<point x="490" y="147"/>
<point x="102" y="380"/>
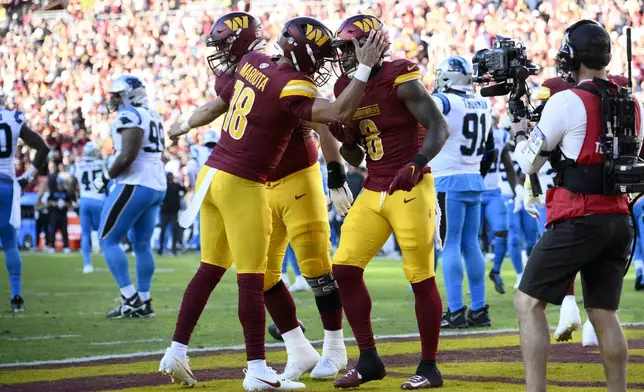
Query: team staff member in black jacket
<point x="170" y="213"/>
<point x="588" y="231"/>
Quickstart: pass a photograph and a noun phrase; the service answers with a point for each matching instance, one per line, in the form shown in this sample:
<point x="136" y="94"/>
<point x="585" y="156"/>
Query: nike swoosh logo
<point x="298" y="197"/>
<point x="275" y="384"/>
<point x="453" y="318"/>
<point x="410" y="67"/>
<point x="408" y="200"/>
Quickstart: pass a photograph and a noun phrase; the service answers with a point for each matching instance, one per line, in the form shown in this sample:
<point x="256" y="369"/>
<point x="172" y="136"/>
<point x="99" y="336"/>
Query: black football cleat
<point x="129" y="307"/>
<point x="427" y="376"/>
<point x="146" y="311"/>
<point x="17" y="304"/>
<point x="639" y="285"/>
<point x="479" y="318"/>
<point x="455" y="319"/>
<point x="498" y="281"/>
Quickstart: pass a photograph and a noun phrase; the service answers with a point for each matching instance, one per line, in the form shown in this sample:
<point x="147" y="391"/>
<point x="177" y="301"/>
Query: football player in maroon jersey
<point x="398" y="197"/>
<point x="264" y="102"/>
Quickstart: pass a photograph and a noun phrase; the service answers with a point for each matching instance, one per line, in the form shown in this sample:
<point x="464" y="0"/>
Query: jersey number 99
<point x="241" y="104"/>
<point x="157" y="138"/>
<point x="371" y="133"/>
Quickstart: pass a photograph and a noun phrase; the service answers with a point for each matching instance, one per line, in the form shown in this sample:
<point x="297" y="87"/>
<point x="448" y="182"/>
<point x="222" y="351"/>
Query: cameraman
<point x="589" y="232"/>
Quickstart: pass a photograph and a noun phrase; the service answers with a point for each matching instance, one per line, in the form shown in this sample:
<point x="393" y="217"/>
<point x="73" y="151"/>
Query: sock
<point x="370" y="365"/>
<point x="333" y="340"/>
<point x="180" y="349"/>
<point x="194" y="300"/>
<point x="357" y="303"/>
<point x="569" y="300"/>
<point x="86" y="247"/>
<point x="252" y="314"/>
<point x="429" y="309"/>
<point x="256" y="364"/>
<point x="453" y="275"/>
<point x="500" y="250"/>
<point x="14" y="268"/>
<point x="144" y="264"/>
<point x="294" y="338"/>
<point x="571" y="291"/>
<point x="281" y="307"/>
<point x="144" y="295"/>
<point x="128" y="291"/>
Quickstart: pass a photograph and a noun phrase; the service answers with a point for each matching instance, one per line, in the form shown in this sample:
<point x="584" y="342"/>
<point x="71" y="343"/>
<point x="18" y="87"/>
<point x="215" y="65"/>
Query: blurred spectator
<point x="355" y="177"/>
<point x="170" y="213"/>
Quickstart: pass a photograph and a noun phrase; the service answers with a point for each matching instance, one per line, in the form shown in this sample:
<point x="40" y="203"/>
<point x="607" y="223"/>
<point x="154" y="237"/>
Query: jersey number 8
<point x="242" y="102"/>
<point x="371" y="133"/>
<point x="471" y="131"/>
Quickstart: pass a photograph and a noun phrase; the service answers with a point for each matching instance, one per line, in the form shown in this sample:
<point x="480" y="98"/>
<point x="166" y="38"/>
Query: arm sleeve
<point x="297" y="98"/>
<point x="554" y="123"/>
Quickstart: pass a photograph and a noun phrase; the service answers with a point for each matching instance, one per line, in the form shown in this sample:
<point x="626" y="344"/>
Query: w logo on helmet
<point x="238" y="22"/>
<point x="316" y="35"/>
<point x="367" y="24"/>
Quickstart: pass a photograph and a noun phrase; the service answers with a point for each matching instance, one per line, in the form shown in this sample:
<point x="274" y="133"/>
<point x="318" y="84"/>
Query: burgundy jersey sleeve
<point x="297" y="97"/>
<point x="340" y="85"/>
<point x="221" y="83"/>
<point x="227" y="92"/>
<point x="402" y="71"/>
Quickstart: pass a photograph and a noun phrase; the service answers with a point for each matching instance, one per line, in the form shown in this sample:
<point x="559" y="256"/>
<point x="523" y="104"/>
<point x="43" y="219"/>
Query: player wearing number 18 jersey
<point x="266" y="100"/>
<point x="460" y="186"/>
<point x="398" y="196"/>
<point x="137" y="170"/>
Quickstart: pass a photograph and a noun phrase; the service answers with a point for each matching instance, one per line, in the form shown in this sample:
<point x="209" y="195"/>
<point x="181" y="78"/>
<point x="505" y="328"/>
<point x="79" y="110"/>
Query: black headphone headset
<point x="568" y="55"/>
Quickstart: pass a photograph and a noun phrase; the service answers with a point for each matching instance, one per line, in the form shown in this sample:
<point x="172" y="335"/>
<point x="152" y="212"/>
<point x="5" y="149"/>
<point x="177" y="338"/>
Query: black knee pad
<point x="325" y="289"/>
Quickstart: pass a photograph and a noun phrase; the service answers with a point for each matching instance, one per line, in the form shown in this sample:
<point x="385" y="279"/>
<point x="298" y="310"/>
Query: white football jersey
<point x="506" y="189"/>
<point x="470" y="119"/>
<point x="85" y="172"/>
<point x="147" y="169"/>
<point x="546" y="177"/>
<point x="11" y="122"/>
<point x="493" y="178"/>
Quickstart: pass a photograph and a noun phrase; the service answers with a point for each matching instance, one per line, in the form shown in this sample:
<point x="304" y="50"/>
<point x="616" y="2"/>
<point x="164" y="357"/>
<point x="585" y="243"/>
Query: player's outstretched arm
<point x="424" y="109"/>
<point x="203" y="115"/>
<point x="346" y="104"/>
<point x="36" y="142"/>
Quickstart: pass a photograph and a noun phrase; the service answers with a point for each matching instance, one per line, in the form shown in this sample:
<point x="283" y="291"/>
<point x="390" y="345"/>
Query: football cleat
<point x="427" y="376"/>
<point x="178" y="368"/>
<point x="498" y="281"/>
<point x="588" y="335"/>
<point x="129" y="307"/>
<point x="479" y="318"/>
<point x="88" y="269"/>
<point x="267" y="379"/>
<point x="333" y="361"/>
<point x="17" y="304"/>
<point x="146" y="311"/>
<point x="301" y="359"/>
<point x="354" y="379"/>
<point x="455" y="319"/>
<point x="569" y="319"/>
<point x="639" y="283"/>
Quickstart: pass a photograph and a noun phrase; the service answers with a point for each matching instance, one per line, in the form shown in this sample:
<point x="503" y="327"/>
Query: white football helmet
<point x="210" y="136"/>
<point x="91" y="151"/>
<point x="454" y="73"/>
<point x="126" y="90"/>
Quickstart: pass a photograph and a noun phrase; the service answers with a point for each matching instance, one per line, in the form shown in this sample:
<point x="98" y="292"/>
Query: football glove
<point x="530" y="202"/>
<point x="519" y="193"/>
<point x="409" y="175"/>
<point x="100" y="182"/>
<point x="339" y="191"/>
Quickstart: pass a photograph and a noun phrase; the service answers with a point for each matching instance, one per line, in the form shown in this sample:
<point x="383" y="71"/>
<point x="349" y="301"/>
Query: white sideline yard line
<point x="239" y="347"/>
<point x="41" y="337"/>
<point x="117" y="342"/>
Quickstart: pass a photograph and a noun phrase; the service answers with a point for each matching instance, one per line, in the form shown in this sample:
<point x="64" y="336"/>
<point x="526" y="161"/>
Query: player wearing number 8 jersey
<point x="460" y="186"/>
<point x="398" y="196"/>
<point x="266" y="100"/>
<point x="137" y="170"/>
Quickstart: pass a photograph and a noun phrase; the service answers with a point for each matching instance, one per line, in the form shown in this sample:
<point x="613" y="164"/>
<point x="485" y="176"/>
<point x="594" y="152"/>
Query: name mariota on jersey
<point x="254" y="76"/>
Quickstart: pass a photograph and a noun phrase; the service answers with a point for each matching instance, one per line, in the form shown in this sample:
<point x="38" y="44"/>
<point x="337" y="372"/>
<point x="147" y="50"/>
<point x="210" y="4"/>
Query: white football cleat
<point x="329" y="367"/>
<point x="88" y="269"/>
<point x="177" y="368"/>
<point x="267" y="379"/>
<point x="519" y="276"/>
<point x="569" y="319"/>
<point x="301" y="359"/>
<point x="299" y="285"/>
<point x="588" y="335"/>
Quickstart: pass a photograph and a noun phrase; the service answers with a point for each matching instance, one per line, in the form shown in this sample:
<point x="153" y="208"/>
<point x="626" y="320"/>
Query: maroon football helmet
<point x="233" y="35"/>
<point x="307" y="43"/>
<point x="358" y="27"/>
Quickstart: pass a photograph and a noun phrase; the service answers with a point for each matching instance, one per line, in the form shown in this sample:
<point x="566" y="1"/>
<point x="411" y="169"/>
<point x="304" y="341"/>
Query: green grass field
<point x="66" y="310"/>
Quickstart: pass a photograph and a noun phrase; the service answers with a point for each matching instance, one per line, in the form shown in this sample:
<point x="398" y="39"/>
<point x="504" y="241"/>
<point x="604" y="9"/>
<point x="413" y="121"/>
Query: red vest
<point x="563" y="204"/>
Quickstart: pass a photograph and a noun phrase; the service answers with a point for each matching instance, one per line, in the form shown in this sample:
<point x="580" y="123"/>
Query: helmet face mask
<point x="347" y="60"/>
<point x="126" y="90"/>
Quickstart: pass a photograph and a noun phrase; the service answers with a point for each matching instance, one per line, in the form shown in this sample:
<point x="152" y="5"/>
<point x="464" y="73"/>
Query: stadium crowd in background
<point x="58" y="70"/>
